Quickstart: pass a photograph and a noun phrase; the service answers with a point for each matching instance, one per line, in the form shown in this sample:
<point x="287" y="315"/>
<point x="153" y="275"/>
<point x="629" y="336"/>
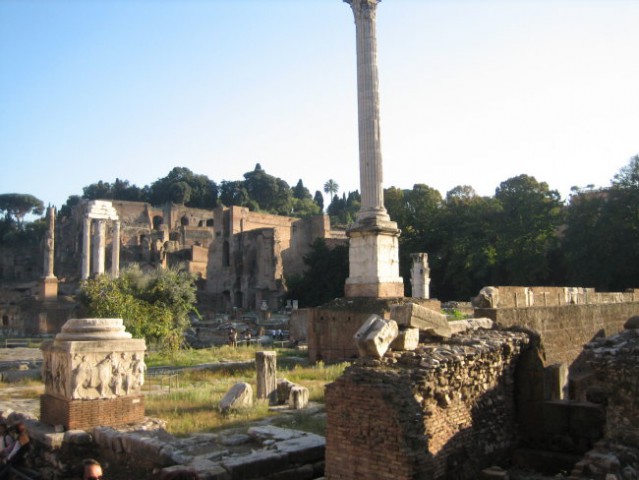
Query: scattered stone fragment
<point x="283" y="390"/>
<point x="407" y="340"/>
<point x="298" y="398"/>
<point x="375" y="336"/>
<point x="239" y="396"/>
<point x="428" y="321"/>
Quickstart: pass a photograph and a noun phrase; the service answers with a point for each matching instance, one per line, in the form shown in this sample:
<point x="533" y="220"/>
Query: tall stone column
<point x="374" y="244"/>
<point x="115" y="250"/>
<point x="86" y="249"/>
<point x="49" y="287"/>
<point x="420" y="275"/>
<point x="100" y="246"/>
<point x="370" y="154"/>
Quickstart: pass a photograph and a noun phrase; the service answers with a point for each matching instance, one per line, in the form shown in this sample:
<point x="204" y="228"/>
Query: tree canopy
<point x="16" y="205"/>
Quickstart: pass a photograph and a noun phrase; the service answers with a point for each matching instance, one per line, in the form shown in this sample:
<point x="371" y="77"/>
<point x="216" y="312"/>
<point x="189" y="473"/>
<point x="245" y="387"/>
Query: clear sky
<point x="472" y="92"/>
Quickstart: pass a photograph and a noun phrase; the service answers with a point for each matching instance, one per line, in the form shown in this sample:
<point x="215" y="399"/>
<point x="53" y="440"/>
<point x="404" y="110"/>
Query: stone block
<point x="375" y="336"/>
<point x="260" y="463"/>
<point x="461" y="326"/>
<point x="304" y="449"/>
<point x="283" y="391"/>
<point x="298" y="397"/>
<point x="407" y="340"/>
<point x="429" y="321"/>
<point x="239" y="396"/>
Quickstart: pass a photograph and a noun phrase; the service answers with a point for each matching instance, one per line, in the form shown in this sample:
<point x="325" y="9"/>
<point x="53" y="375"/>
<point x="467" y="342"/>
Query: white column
<point x="86" y="249"/>
<point x="100" y="245"/>
<point x="115" y="250"/>
<point x="370" y="155"/>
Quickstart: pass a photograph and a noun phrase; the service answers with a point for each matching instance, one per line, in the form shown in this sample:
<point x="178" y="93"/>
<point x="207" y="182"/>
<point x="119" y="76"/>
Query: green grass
<point x="189" y="357"/>
<point x="194" y="406"/>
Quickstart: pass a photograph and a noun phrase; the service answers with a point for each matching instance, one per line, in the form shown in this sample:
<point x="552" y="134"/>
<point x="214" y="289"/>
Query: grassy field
<point x="193" y="407"/>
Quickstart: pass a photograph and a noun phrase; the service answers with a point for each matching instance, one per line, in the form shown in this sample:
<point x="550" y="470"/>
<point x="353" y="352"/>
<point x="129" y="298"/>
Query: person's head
<point x="21" y="427"/>
<point x="92" y="470"/>
<point x="3" y="428"/>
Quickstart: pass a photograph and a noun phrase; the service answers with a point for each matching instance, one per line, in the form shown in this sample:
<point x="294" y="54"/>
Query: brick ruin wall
<point x="446" y="410"/>
<point x="331" y="327"/>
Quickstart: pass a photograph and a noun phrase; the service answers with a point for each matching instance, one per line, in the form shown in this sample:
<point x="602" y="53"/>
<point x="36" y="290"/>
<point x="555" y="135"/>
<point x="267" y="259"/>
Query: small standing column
<point x="100" y="246"/>
<point x="86" y="249"/>
<point x="49" y="288"/>
<point x="420" y="276"/>
<point x="115" y="250"/>
<point x="266" y="367"/>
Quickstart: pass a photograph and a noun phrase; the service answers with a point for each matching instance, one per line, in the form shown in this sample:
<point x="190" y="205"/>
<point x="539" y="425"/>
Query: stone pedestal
<point x="374" y="262"/>
<point x="49" y="289"/>
<point x="93" y="374"/>
<point x="266" y="367"/>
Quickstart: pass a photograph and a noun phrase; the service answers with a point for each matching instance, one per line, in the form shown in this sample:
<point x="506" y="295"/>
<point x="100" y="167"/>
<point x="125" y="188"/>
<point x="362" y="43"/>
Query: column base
<point x="374" y="290"/>
<point x="49" y="289"/>
<point x="86" y="414"/>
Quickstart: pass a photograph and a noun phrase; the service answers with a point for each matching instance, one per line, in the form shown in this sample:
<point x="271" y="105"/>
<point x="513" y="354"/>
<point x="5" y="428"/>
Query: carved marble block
<point x="93" y="358"/>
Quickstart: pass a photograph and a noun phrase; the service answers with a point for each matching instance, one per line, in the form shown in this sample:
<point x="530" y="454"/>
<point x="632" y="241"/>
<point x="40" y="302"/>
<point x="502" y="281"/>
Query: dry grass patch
<point x="194" y="406"/>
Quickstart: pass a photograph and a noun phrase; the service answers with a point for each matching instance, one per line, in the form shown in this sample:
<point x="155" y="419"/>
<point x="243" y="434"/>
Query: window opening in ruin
<point x="226" y="254"/>
<point x="238" y="299"/>
<point x="210" y="222"/>
<point x="200" y="223"/>
<point x="226" y="222"/>
<point x="184" y="221"/>
<point x="5" y="320"/>
<point x="157" y="222"/>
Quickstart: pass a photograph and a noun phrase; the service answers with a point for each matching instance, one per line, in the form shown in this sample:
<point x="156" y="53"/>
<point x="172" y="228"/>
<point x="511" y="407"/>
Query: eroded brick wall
<point x="444" y="411"/>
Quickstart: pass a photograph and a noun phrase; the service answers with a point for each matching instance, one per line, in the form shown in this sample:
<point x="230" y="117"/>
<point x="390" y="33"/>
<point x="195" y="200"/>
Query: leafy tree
<point x="527" y="228"/>
<point x="628" y="176"/>
<point x="301" y="192"/>
<point x="331" y="187"/>
<point x="304" y="208"/>
<point x="154" y="305"/>
<point x="119" y="190"/>
<point x="271" y="194"/>
<point x="72" y="201"/>
<point x="343" y="211"/>
<point x="324" y="277"/>
<point x="234" y="193"/>
<point x="319" y="200"/>
<point x="17" y="205"/>
<point x="181" y="185"/>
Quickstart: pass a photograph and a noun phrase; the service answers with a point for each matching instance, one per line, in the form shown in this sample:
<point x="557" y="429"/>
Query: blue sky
<point x="472" y="92"/>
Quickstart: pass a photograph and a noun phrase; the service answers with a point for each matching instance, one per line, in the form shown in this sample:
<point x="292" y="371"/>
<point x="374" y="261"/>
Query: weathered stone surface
<point x="303" y="449"/>
<point x="460" y="326"/>
<point x="488" y="298"/>
<point x="407" y="340"/>
<point x="255" y="464"/>
<point x="298" y="397"/>
<point x="283" y="390"/>
<point x="266" y="369"/>
<point x="428" y="321"/>
<point x="375" y="336"/>
<point x="239" y="396"/>
<point x="494" y="473"/>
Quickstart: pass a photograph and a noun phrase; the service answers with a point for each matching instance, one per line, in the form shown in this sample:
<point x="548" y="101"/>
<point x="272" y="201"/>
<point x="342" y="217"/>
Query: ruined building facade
<point x="241" y="257"/>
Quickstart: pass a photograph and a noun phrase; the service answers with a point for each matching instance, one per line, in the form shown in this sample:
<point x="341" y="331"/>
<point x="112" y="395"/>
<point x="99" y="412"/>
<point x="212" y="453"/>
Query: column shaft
<point x="100" y="245"/>
<point x="115" y="250"/>
<point x="86" y="249"/>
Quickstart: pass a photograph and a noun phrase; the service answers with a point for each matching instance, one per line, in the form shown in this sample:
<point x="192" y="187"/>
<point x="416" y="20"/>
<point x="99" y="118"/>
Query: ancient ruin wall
<point x="615" y="361"/>
<point x="330" y="328"/>
<point x="444" y="411"/>
<point x="564" y="330"/>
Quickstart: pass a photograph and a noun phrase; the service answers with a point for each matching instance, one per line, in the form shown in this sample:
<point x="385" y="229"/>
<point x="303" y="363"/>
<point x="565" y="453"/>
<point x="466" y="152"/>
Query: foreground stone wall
<point x="615" y="361"/>
<point x="446" y="410"/>
<point x="564" y="330"/>
<point x="331" y="327"/>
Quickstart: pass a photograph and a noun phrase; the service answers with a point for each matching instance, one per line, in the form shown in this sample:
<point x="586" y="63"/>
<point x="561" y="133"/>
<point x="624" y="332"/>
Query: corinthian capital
<point x="363" y="9"/>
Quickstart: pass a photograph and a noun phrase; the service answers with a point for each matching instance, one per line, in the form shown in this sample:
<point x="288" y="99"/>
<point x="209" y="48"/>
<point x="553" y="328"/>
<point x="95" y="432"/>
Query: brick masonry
<point x="330" y="328"/>
<point x="85" y="414"/>
<point x="446" y="410"/>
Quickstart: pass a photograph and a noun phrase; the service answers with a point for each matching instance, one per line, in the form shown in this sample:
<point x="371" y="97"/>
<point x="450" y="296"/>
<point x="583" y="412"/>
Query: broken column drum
<point x="373" y="241"/>
<point x="93" y="374"/>
<point x="266" y="367"/>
